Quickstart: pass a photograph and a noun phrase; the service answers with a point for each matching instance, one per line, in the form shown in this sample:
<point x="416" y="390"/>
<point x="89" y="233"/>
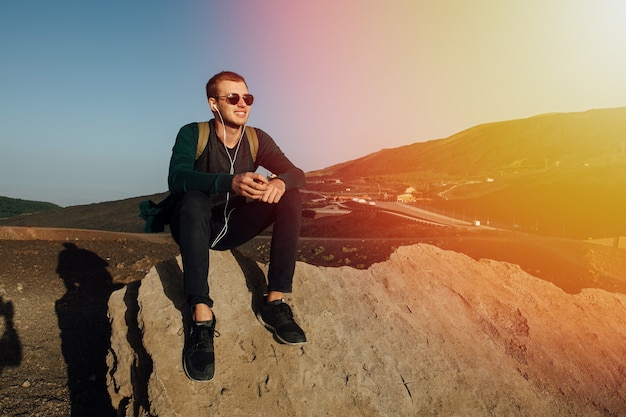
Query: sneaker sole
<point x="194" y="379"/>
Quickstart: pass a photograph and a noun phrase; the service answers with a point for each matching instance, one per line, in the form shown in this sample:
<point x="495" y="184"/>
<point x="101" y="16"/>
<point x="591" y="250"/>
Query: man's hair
<point x="211" y="86"/>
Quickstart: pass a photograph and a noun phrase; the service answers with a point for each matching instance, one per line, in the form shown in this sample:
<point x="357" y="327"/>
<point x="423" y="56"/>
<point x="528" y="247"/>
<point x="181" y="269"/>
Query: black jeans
<point x="196" y="224"/>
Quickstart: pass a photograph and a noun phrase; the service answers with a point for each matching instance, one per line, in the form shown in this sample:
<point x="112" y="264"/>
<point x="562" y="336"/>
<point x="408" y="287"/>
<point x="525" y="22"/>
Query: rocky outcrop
<point x="429" y="332"/>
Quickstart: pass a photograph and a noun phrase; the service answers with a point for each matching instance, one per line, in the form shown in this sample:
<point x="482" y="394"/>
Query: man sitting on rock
<point x="223" y="203"/>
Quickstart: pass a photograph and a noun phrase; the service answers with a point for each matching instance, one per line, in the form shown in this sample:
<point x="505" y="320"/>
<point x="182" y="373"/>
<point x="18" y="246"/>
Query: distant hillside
<point x="563" y="140"/>
<point x="115" y="216"/>
<point x="14" y="206"/>
<point x="556" y="174"/>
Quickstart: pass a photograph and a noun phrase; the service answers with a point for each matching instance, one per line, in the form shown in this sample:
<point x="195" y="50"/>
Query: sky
<point x="92" y="94"/>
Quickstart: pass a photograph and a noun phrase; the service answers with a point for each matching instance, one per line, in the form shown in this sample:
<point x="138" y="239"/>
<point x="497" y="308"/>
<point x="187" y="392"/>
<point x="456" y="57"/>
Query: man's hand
<point x="256" y="187"/>
<point x="275" y="190"/>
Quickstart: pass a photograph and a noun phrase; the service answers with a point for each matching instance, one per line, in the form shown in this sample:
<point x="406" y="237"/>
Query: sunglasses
<point x="233" y="98"/>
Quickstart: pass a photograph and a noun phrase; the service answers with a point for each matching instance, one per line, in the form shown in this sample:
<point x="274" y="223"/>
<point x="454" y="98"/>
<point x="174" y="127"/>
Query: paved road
<point x="407" y="211"/>
<point x="424" y="216"/>
<point x="417" y="213"/>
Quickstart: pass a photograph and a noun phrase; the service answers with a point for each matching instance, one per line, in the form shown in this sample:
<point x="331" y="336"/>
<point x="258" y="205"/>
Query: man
<point x="222" y="203"/>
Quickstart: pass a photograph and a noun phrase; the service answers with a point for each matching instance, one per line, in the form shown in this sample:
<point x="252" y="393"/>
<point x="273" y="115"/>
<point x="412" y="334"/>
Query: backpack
<point x="157" y="215"/>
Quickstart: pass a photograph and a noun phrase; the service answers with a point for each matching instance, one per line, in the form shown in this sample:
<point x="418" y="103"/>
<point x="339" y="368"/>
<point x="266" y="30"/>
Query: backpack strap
<point x="253" y="140"/>
<point x="204" y="129"/>
<point x="203" y="137"/>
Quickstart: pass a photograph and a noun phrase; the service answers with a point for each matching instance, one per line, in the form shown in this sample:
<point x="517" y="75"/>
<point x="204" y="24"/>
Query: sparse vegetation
<point x="10" y="207"/>
<point x="318" y="250"/>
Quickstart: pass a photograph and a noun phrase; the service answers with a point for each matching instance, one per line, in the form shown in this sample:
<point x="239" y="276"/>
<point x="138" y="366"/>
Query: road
<point x="422" y="215"/>
<point x="403" y="210"/>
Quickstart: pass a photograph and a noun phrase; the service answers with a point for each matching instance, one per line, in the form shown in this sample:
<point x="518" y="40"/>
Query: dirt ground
<point x="54" y="287"/>
<point x="53" y="302"/>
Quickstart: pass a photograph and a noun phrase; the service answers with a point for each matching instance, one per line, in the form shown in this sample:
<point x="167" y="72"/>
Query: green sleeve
<point x="182" y="175"/>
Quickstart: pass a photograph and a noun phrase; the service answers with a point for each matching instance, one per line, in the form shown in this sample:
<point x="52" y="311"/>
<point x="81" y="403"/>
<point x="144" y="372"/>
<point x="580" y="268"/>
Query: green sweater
<point x="211" y="172"/>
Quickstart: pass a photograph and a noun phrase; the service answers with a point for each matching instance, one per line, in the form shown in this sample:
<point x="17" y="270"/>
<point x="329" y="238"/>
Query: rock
<point x="429" y="332"/>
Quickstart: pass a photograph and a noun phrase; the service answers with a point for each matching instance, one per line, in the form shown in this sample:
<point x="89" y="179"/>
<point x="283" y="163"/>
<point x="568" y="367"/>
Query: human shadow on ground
<point x="10" y="346"/>
<point x="85" y="330"/>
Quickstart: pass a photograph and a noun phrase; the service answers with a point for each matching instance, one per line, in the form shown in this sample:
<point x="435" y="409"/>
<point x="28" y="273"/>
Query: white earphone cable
<point x="232" y="159"/>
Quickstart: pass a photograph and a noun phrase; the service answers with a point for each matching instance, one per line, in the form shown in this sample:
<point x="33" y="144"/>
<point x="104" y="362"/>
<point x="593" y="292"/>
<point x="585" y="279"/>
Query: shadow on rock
<point x="255" y="278"/>
<point x="85" y="330"/>
<point x="173" y="285"/>
<point x="10" y="346"/>
<point x="143" y="364"/>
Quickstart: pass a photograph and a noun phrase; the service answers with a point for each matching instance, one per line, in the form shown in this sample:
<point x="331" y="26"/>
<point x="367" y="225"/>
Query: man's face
<point x="234" y="115"/>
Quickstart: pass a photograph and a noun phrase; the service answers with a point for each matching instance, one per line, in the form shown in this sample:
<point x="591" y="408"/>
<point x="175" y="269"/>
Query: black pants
<point x="196" y="224"/>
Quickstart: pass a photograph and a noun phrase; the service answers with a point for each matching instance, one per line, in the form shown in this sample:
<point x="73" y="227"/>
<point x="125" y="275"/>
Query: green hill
<point x="10" y="207"/>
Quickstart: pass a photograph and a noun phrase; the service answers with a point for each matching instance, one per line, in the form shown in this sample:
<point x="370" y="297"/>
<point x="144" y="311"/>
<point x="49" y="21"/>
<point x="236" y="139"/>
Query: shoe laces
<point x="284" y="310"/>
<point x="204" y="335"/>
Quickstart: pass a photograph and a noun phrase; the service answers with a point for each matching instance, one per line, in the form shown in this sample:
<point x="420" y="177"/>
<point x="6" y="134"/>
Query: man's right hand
<point x="250" y="185"/>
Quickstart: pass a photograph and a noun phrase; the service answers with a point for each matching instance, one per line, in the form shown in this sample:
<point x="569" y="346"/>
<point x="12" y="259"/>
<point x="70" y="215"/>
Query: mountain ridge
<point x="532" y="141"/>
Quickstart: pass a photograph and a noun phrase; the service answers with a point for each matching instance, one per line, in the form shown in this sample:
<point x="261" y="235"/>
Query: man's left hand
<point x="275" y="190"/>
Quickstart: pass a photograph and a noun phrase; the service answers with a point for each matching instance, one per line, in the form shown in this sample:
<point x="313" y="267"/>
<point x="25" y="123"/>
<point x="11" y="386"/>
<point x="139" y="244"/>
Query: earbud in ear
<point x="215" y="107"/>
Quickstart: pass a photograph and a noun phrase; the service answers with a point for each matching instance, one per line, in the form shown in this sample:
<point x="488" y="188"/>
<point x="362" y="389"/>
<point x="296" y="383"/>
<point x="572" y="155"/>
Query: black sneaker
<point x="278" y="318"/>
<point x="198" y="355"/>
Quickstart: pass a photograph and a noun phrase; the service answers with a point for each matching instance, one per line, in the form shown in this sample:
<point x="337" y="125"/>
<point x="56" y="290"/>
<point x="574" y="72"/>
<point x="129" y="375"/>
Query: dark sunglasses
<point x="233" y="98"/>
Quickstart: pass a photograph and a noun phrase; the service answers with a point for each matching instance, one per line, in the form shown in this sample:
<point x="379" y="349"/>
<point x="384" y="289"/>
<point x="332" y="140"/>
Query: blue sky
<point x="92" y="94"/>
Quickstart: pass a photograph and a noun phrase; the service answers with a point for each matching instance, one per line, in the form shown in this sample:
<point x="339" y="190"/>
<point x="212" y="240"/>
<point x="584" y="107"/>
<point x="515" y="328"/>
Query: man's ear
<point x="212" y="104"/>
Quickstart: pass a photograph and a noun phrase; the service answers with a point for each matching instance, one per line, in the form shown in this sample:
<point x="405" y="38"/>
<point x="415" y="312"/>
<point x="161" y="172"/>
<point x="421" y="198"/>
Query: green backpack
<point x="157" y="215"/>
